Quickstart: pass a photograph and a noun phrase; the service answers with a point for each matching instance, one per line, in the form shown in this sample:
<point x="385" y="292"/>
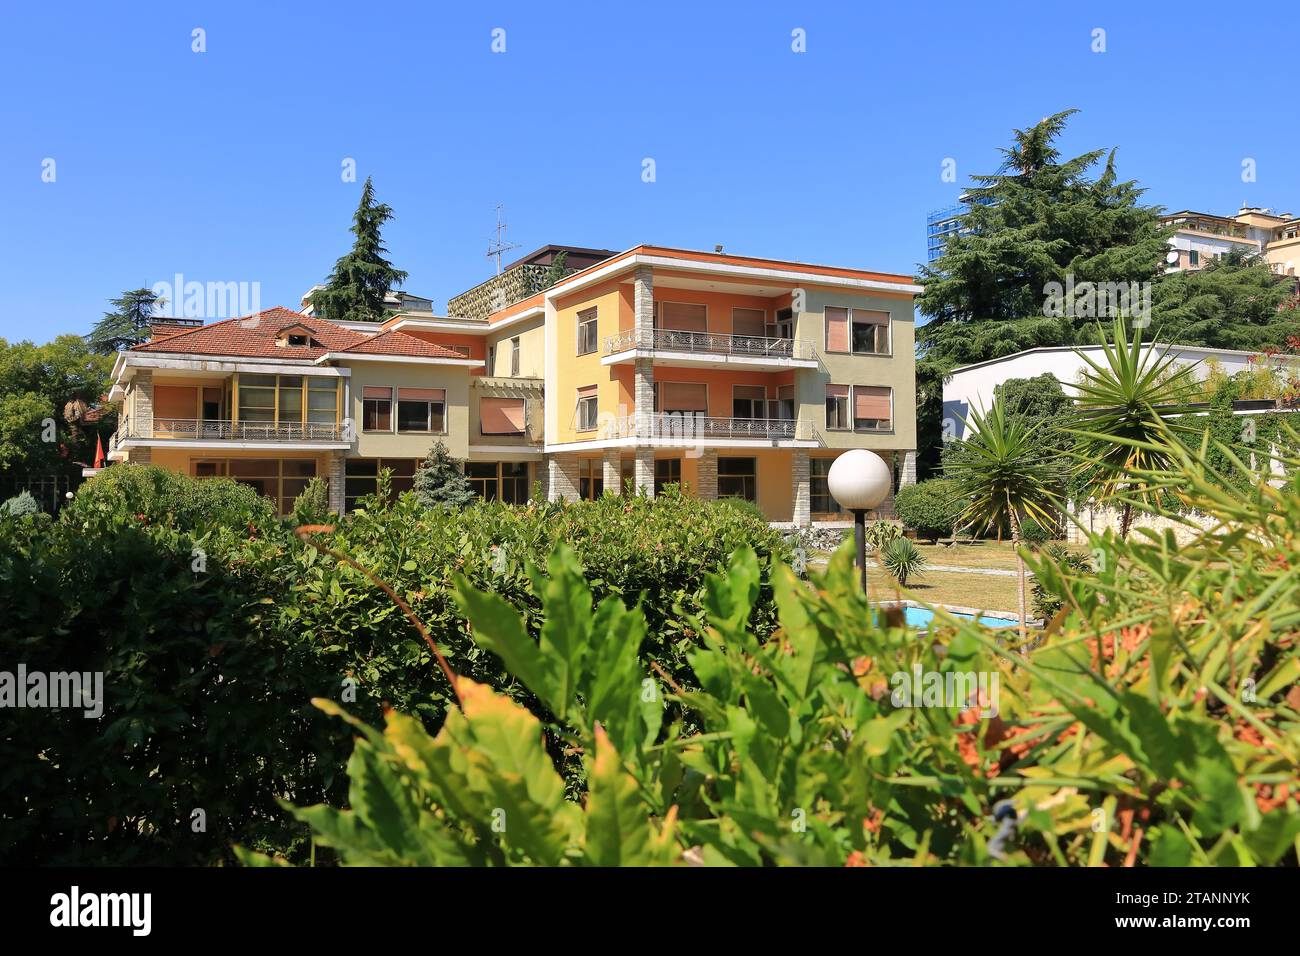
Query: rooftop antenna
<point x="499" y="244"/>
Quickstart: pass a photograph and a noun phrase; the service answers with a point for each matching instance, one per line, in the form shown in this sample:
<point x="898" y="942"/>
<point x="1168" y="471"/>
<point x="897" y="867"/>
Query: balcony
<point x="708" y="349"/>
<point x="189" y="430"/>
<point x="687" y="428"/>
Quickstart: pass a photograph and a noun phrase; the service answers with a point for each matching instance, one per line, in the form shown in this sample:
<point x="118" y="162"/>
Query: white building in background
<point x="971" y="386"/>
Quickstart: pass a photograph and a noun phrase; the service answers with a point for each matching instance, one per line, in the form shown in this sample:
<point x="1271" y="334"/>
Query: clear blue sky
<point x="225" y="165"/>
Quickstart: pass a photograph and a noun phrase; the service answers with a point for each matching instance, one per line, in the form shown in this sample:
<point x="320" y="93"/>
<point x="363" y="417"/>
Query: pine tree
<point x="356" y="288"/>
<point x="558" y="270"/>
<point x="128" y="324"/>
<point x="440" y="481"/>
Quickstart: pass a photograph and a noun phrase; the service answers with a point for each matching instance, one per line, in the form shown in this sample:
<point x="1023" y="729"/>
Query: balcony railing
<point x="709" y="343"/>
<point x="689" y="426"/>
<point x="190" y="429"/>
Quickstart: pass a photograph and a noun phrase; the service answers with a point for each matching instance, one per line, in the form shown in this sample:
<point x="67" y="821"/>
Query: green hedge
<point x="215" y="626"/>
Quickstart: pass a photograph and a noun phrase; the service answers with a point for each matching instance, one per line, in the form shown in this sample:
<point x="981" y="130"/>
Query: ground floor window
<point x="822" y="503"/>
<point x="362" y="477"/>
<point x="668" y="471"/>
<point x="280" y="479"/>
<point x="591" y="478"/>
<point x="738" y="478"/>
<point x="505" y="481"/>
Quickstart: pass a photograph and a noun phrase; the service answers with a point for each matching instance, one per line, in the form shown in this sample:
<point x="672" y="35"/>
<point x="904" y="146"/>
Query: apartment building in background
<point x="1200" y="238"/>
<point x="730" y="376"/>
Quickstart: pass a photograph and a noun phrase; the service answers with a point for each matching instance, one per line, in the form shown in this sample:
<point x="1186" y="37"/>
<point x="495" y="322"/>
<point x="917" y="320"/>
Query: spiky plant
<point x="902" y="559"/>
<point x="1003" y="480"/>
<point x="1126" y="402"/>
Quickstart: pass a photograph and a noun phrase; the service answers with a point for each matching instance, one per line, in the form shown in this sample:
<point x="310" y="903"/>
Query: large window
<point x="280" y="479"/>
<point x="683" y="316"/>
<point x="587" y="331"/>
<point x="749" y="322"/>
<point x="749" y="401"/>
<point x="859" y="331"/>
<point x="506" y="481"/>
<point x="377" y="409"/>
<point x="362" y="477"/>
<point x="668" y="471"/>
<point x="738" y="478"/>
<point x="422" y="410"/>
<point x="872" y="408"/>
<point x="822" y="503"/>
<point x="501" y="416"/>
<point x="587" y="408"/>
<point x="288" y="399"/>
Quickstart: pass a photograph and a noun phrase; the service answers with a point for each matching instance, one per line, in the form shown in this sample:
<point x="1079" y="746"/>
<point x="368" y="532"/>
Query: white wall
<point x="972" y="387"/>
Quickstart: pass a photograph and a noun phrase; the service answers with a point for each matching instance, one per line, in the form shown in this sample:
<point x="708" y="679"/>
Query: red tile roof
<point x="256" y="335"/>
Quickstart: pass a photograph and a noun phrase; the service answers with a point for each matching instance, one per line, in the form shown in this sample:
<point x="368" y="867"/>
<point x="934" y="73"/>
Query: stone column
<point x="802" y="488"/>
<point x="706" y="475"/>
<point x="645" y="397"/>
<point x="613" y="470"/>
<point x="142" y="405"/>
<point x="907" y="473"/>
<point x="645" y="472"/>
<point x="336" y="482"/>
<point x="562" y="482"/>
<point x="643" y="300"/>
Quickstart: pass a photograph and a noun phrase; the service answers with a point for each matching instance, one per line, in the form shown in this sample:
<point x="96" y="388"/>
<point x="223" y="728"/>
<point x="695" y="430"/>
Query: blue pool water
<point x="921" y="617"/>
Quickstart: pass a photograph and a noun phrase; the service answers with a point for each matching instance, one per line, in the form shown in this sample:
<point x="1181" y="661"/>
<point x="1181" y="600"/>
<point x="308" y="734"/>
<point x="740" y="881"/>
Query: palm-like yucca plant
<point x="1003" y="478"/>
<point x="902" y="559"/>
<point x="1125" y="403"/>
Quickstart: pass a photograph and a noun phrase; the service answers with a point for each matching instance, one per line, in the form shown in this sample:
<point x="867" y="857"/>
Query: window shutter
<point x="684" y="397"/>
<point x="377" y="391"/>
<point x="748" y="322"/>
<point x="683" y="316"/>
<point x="837" y="329"/>
<point x="421" y="394"/>
<point x="871" y="401"/>
<point x="501" y="416"/>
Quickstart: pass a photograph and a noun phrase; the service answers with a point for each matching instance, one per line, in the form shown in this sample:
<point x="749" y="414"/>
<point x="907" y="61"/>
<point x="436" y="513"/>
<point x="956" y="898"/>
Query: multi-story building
<point x="1200" y="238"/>
<point x="728" y="375"/>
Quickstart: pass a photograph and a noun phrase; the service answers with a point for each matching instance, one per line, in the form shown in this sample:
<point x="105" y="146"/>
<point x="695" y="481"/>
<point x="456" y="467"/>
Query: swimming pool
<point x="921" y="617"/>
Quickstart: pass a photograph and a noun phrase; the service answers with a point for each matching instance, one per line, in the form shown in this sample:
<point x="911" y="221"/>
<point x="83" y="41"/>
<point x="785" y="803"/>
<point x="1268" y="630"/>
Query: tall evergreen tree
<point x="127" y="324"/>
<point x="356" y="288"/>
<point x="1235" y="302"/>
<point x="440" y="480"/>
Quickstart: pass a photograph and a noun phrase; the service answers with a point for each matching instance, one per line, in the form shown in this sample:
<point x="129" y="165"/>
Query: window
<point x="377" y="409"/>
<point x="422" y="410"/>
<point x="492" y="360"/>
<point x="288" y="399"/>
<point x="514" y="357"/>
<point x="587" y="411"/>
<point x="749" y="401"/>
<point x="785" y="402"/>
<point x="514" y="482"/>
<point x="297" y="340"/>
<point x="361" y="477"/>
<point x="483" y="477"/>
<point x="690" y="397"/>
<point x="586" y="331"/>
<point x="737" y="478"/>
<point x="820" y="491"/>
<point x="322" y="400"/>
<point x="872" y="408"/>
<point x="1193" y="258"/>
<point x="501" y="416"/>
<point x="749" y="322"/>
<point x="684" y="316"/>
<point x="870" y="332"/>
<point x="837" y="329"/>
<point x="783" y="328"/>
<point x="591" y="478"/>
<point x="668" y="471"/>
<point x="257" y="398"/>
<point x="280" y="479"/>
<point x="837" y="406"/>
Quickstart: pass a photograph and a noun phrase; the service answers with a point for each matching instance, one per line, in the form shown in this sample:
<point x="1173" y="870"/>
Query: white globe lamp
<point x="860" y="480"/>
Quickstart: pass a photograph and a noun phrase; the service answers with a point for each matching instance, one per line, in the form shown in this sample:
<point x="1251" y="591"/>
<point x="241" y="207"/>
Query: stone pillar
<point x="142" y="404"/>
<point x="644" y="391"/>
<point x="802" y="488"/>
<point x="613" y="470"/>
<point x="706" y="475"/>
<point x="336" y="482"/>
<point x="645" y="472"/>
<point x="643" y="300"/>
<point x="562" y="482"/>
<point x="907" y="474"/>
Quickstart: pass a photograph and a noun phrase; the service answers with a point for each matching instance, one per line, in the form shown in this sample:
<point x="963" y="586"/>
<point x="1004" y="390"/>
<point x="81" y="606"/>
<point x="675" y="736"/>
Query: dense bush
<point x="20" y="505"/>
<point x="312" y="506"/>
<point x="213" y="638"/>
<point x="1044" y="602"/>
<point x="931" y="507"/>
<point x="1034" y="534"/>
<point x="157" y="496"/>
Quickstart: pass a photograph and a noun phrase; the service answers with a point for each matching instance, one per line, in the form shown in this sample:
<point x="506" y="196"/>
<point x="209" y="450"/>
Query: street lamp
<point x="860" y="480"/>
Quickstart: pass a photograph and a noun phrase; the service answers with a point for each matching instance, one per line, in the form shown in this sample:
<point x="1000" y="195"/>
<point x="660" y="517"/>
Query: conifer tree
<point x="440" y="481"/>
<point x="128" y="324"/>
<point x="355" y="290"/>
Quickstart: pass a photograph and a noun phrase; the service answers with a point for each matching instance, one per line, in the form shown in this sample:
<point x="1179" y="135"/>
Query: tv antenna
<point x="499" y="244"/>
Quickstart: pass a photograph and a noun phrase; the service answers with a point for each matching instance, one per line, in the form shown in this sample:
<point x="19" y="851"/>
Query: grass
<point x="986" y="592"/>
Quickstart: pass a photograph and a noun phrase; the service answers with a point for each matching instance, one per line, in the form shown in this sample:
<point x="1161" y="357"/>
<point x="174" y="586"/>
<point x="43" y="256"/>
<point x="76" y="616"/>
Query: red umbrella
<point x="99" y="452"/>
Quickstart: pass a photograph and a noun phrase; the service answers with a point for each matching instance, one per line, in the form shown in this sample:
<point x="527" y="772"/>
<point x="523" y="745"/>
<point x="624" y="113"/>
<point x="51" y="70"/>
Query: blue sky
<point x="225" y="165"/>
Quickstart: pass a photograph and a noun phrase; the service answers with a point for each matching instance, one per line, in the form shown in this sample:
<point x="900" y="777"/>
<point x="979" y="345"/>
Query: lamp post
<point x="860" y="480"/>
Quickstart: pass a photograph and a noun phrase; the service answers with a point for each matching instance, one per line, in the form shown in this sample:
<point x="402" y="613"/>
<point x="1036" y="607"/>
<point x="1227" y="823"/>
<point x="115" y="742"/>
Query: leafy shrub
<point x="440" y="481"/>
<point x="1034" y="535"/>
<point x="930" y="507"/>
<point x="1045" y="603"/>
<point x="902" y="559"/>
<point x="312" y="506"/>
<point x="20" y="505"/>
<point x="155" y="496"/>
<point x="743" y="506"/>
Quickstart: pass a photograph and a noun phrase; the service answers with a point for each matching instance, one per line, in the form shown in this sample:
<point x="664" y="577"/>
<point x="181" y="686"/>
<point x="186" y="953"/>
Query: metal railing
<point x="189" y="428"/>
<point x="690" y="426"/>
<point x="709" y="343"/>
